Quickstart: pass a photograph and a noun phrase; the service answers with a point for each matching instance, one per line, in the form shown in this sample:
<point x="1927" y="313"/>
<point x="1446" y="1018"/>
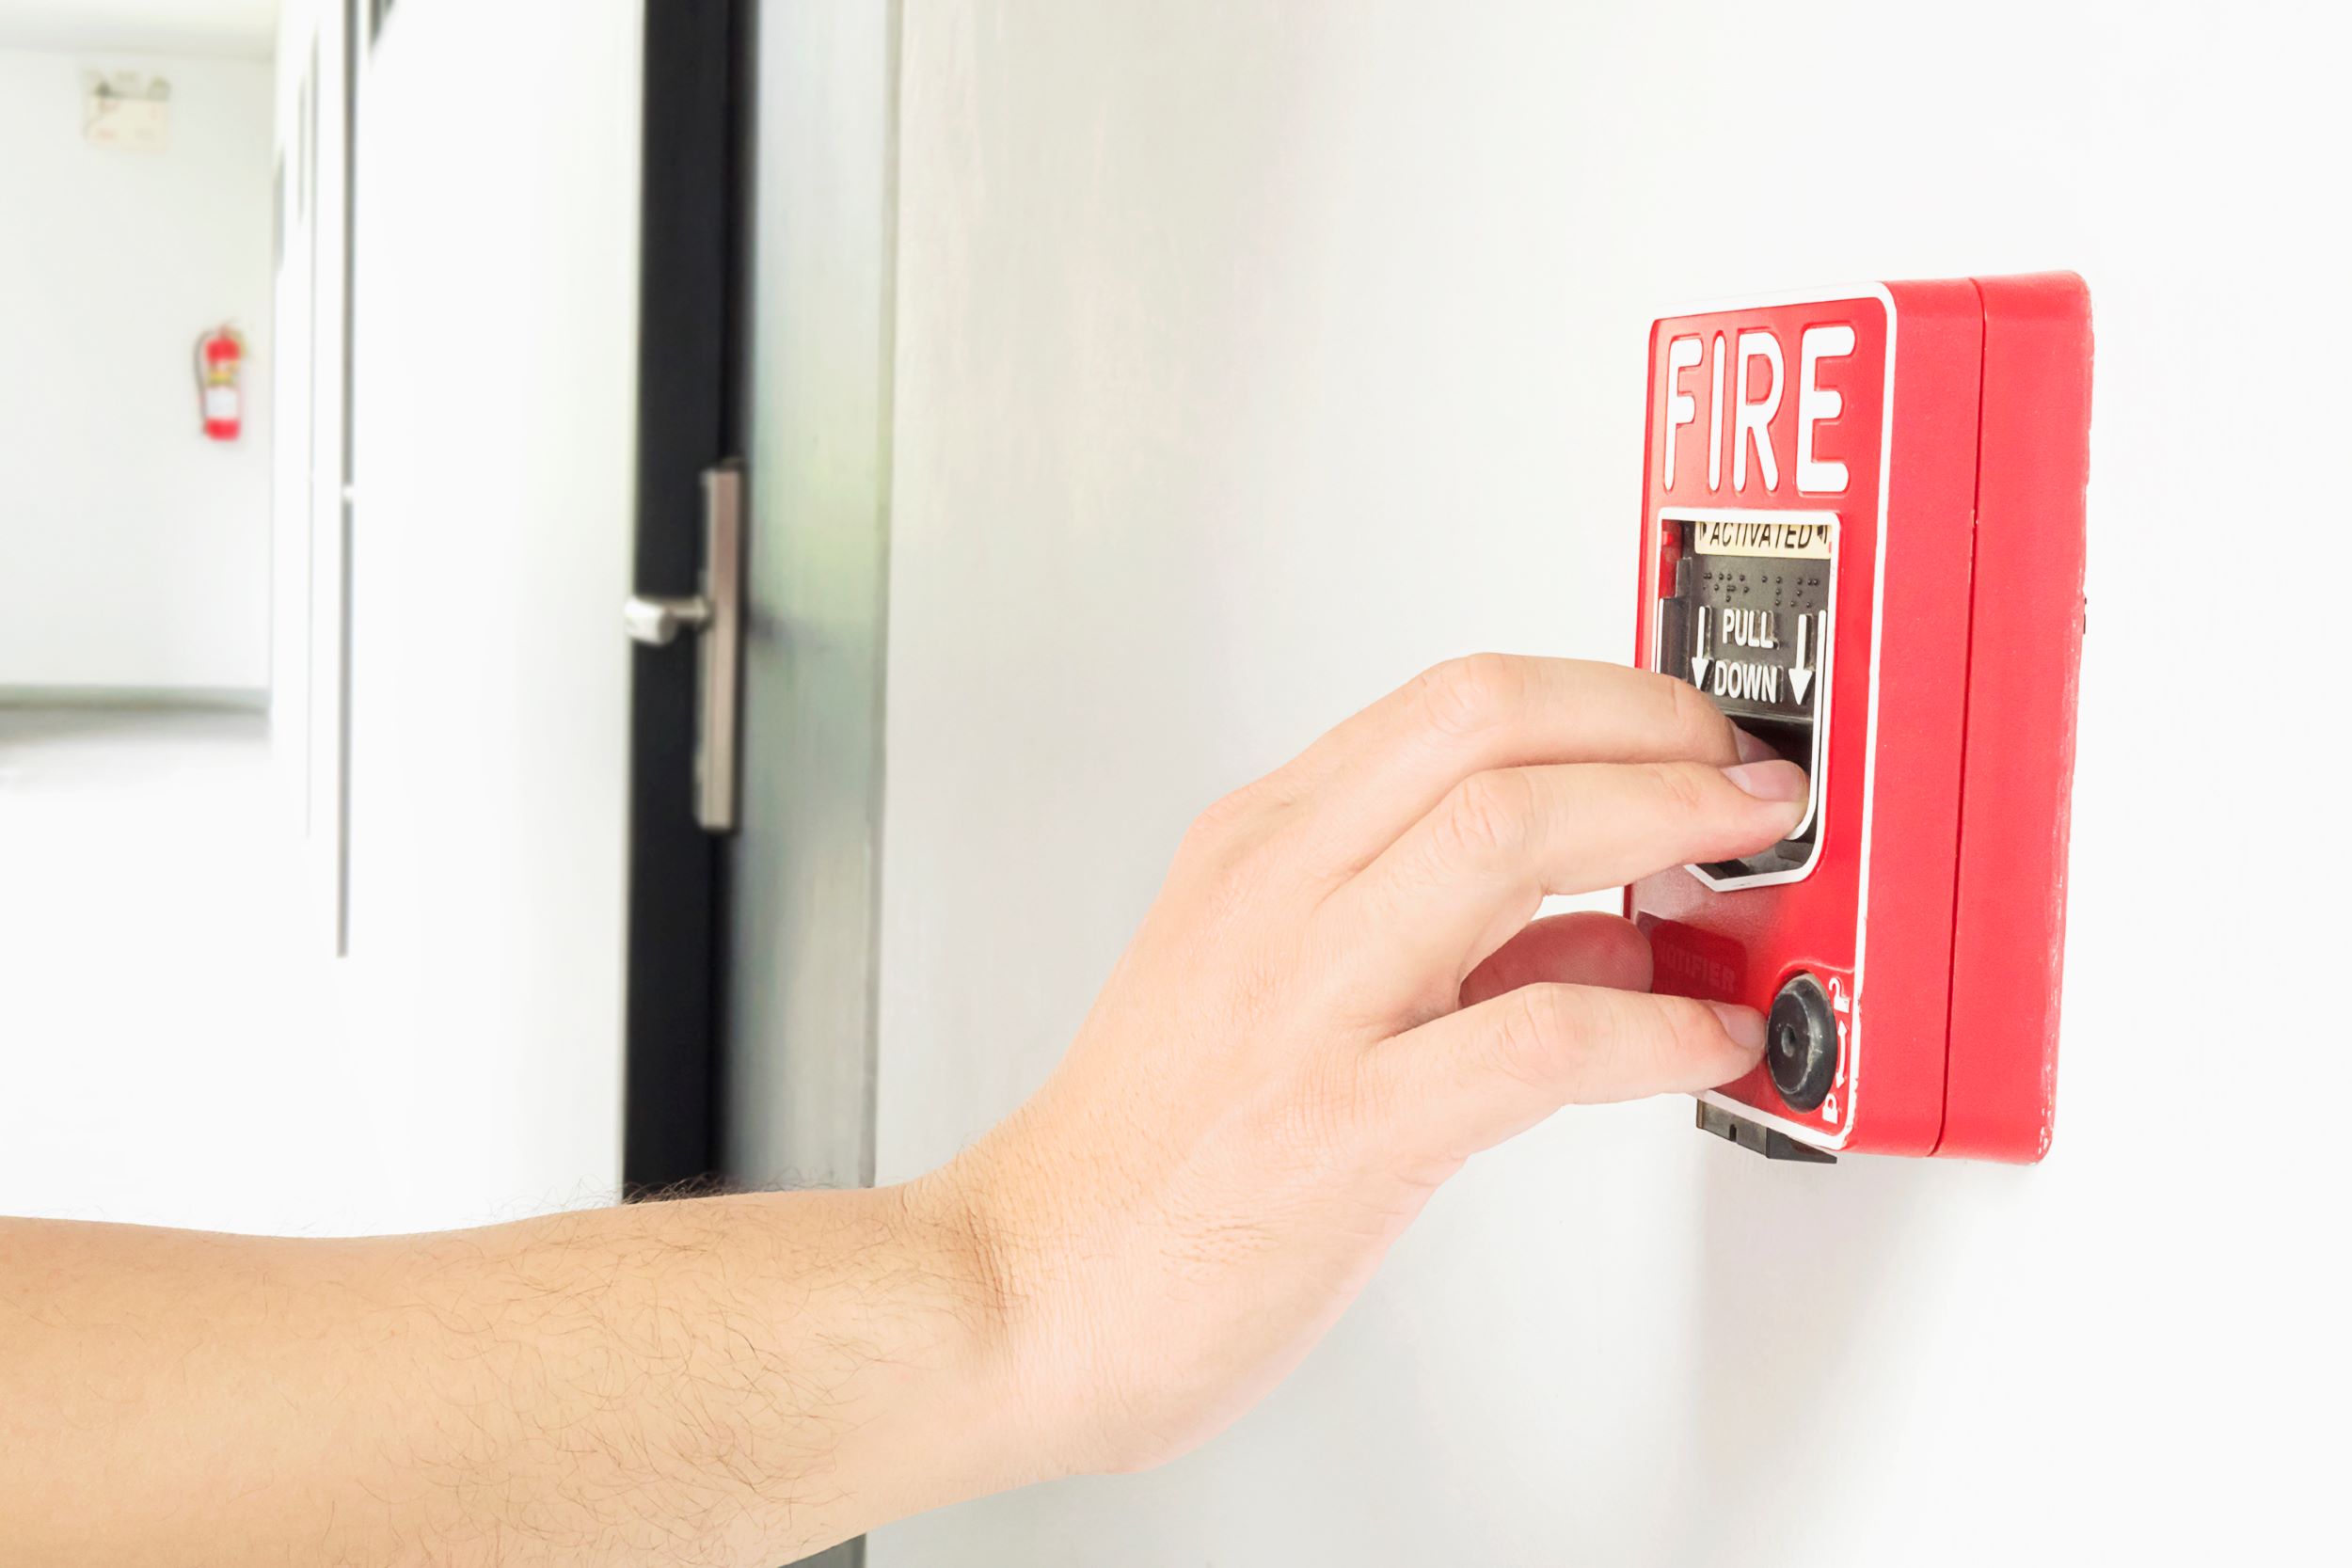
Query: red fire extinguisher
<point x="219" y="360"/>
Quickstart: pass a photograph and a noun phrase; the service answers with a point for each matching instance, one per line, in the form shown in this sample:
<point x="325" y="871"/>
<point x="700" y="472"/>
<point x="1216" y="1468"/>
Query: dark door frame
<point x="691" y="393"/>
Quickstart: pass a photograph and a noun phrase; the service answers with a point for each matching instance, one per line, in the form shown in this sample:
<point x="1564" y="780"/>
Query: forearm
<point x="729" y="1379"/>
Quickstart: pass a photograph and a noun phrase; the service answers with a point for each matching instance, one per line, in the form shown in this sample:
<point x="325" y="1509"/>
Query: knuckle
<point x="1222" y="822"/>
<point x="1534" y="1023"/>
<point x="1660" y="1027"/>
<point x="1486" y="817"/>
<point x="1685" y="788"/>
<point x="1672" y="1034"/>
<point x="1687" y="1030"/>
<point x="1202" y="835"/>
<point x="1617" y="1033"/>
<point x="1465" y="696"/>
<point x="1608" y="1027"/>
<point x="1690" y="714"/>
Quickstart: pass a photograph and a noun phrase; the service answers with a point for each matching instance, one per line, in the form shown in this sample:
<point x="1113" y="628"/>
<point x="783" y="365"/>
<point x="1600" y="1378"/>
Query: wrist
<point x="985" y="1235"/>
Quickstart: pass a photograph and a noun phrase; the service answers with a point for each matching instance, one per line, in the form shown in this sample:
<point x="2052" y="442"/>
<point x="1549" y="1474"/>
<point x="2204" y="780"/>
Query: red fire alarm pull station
<point x="1862" y="535"/>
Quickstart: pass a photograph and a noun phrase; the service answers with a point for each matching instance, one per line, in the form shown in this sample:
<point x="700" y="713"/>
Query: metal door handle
<point x="716" y="614"/>
<point x="657" y="622"/>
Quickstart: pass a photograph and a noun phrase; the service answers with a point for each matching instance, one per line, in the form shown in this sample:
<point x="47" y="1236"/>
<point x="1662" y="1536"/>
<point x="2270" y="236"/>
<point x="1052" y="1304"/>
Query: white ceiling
<point x="240" y="27"/>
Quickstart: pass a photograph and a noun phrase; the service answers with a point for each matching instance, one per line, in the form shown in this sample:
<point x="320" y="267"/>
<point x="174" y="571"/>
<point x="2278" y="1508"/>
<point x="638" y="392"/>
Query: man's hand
<point x="1338" y="998"/>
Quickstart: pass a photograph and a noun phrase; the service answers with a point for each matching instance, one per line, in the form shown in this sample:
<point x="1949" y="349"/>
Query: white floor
<point x="164" y="1016"/>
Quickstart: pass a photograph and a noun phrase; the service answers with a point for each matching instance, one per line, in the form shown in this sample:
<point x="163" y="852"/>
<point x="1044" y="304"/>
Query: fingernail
<point x="1768" y="781"/>
<point x="1745" y="1026"/>
<point x="1752" y="748"/>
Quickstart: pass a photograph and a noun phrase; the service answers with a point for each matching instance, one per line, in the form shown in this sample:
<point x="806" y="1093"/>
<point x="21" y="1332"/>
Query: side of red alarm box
<point x="1862" y="534"/>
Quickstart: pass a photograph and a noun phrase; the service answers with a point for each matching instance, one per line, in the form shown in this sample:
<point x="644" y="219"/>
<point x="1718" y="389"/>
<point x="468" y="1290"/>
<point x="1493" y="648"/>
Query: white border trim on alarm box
<point x="1850" y="1054"/>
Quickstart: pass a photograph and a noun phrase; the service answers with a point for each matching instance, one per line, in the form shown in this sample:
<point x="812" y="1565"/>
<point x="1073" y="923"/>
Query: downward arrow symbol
<point x="1699" y="661"/>
<point x="1801" y="676"/>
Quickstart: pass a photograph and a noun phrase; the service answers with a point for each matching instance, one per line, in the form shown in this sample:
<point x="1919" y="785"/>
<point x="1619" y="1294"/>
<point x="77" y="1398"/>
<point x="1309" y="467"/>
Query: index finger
<point x="1359" y="787"/>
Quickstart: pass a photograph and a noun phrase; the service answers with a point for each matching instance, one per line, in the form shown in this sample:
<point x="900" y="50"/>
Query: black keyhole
<point x="1804" y="1037"/>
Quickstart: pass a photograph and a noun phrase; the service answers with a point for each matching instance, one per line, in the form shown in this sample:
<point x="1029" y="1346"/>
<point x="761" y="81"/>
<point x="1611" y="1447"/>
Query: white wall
<point x="239" y="28"/>
<point x="133" y="551"/>
<point x="1252" y="358"/>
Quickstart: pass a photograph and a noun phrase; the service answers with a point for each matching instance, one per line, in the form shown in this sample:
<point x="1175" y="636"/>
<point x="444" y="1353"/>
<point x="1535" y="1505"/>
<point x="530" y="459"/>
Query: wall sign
<point x="130" y="110"/>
